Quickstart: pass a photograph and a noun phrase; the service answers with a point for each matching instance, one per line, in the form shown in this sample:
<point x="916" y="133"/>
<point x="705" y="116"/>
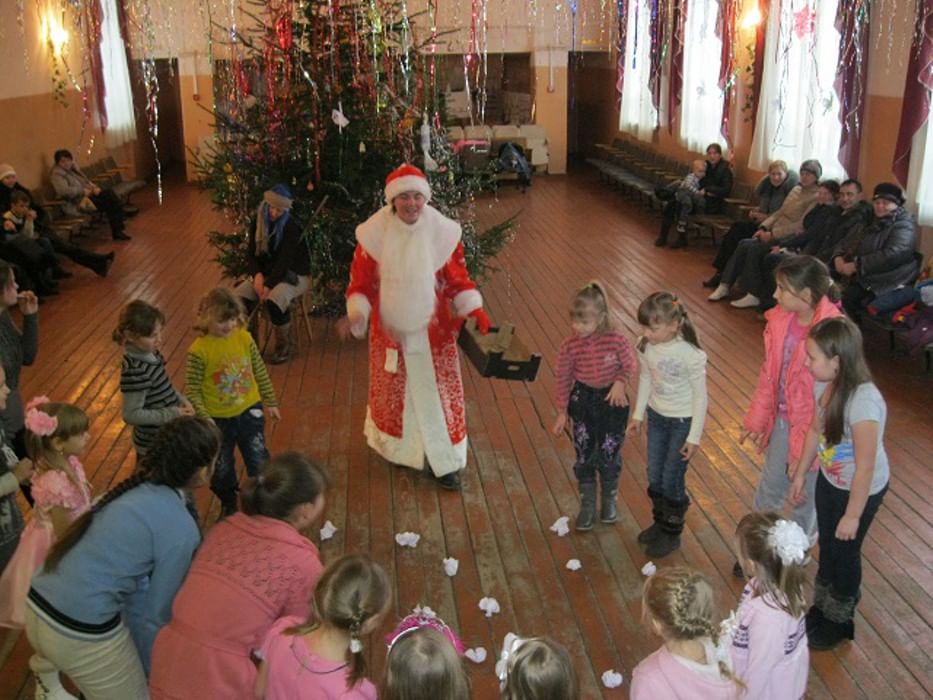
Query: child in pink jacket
<point x="782" y="406"/>
<point x="769" y="643"/>
<point x="692" y="664"/>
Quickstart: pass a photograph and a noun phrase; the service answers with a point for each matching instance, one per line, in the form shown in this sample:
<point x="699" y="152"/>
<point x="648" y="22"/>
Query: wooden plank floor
<point x="518" y="480"/>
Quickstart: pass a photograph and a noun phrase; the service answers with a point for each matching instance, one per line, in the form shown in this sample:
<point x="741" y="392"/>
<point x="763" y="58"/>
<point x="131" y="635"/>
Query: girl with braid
<point x="253" y="568"/>
<point x="107" y="585"/>
<point x="322" y="658"/>
<point x="692" y="664"/>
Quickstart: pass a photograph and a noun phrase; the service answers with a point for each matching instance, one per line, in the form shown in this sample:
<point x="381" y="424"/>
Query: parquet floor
<point x="519" y="480"/>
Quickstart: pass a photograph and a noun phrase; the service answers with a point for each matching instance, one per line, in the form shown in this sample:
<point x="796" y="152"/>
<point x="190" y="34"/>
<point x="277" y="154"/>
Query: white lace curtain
<point x="121" y="122"/>
<point x="920" y="181"/>
<point x="701" y="101"/>
<point x="798" y="113"/>
<point x="637" y="115"/>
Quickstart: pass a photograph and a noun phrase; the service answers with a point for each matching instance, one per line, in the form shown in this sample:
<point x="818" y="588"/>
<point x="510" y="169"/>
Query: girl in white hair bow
<point x="769" y="639"/>
<point x="530" y="669"/>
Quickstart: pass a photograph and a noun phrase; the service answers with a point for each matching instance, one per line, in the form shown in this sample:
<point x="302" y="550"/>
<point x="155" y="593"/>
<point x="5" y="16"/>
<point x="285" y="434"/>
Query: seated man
<point x="745" y="266"/>
<point x="41" y="220"/>
<point x="821" y="243"/>
<point x="877" y="258"/>
<point x="20" y="245"/>
<point x="786" y="221"/>
<point x="73" y="186"/>
<point x="715" y="186"/>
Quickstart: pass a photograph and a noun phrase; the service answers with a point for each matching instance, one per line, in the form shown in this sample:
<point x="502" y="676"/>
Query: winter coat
<point x="770" y="198"/>
<point x="290" y="255"/>
<point x="798" y="382"/>
<point x="789" y="218"/>
<point x="883" y="252"/>
<point x="717" y="183"/>
<point x="820" y="223"/>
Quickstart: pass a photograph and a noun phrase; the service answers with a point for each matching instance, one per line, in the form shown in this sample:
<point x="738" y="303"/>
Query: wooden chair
<point x="300" y="325"/>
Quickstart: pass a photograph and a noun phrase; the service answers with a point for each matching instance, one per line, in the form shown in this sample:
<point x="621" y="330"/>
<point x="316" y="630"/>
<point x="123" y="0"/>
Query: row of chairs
<point x="639" y="171"/>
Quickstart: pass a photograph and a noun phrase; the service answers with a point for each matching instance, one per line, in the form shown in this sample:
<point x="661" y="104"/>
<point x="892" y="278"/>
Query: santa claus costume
<point x="403" y="280"/>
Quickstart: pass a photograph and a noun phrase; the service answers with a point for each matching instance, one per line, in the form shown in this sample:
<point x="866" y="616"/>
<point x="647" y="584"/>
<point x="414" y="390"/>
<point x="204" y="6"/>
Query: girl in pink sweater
<point x="321" y="657"/>
<point x="677" y="605"/>
<point x="769" y="644"/>
<point x="782" y="406"/>
<point x="593" y="367"/>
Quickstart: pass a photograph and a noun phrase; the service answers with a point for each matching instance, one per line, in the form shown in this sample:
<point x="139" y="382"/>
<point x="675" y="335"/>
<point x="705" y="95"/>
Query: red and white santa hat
<point x="407" y="178"/>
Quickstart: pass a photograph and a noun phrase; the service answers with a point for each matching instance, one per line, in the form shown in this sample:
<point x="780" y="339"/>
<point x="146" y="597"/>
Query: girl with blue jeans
<point x="672" y="389"/>
<point x="226" y="380"/>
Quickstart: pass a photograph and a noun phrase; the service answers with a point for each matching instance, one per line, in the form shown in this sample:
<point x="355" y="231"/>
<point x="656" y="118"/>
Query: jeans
<point x="739" y="231"/>
<point x="598" y="434"/>
<point x="841" y="560"/>
<point x="774" y="484"/>
<point x="667" y="469"/>
<point x="245" y="431"/>
<point x="108" y="669"/>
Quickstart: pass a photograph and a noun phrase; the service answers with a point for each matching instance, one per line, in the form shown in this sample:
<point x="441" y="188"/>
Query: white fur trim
<point x="445" y="233"/>
<point x="468" y="301"/>
<point x="408" y="183"/>
<point x="424" y="427"/>
<point x="358" y="303"/>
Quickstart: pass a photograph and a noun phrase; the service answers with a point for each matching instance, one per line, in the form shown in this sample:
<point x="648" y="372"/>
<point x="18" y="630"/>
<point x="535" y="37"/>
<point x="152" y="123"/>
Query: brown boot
<point x="282" y="344"/>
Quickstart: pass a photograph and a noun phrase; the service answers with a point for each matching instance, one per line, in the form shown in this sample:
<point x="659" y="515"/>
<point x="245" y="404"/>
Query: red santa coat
<point x="416" y="407"/>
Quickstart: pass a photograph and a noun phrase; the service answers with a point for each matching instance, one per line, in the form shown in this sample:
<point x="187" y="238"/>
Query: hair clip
<point x="789" y="542"/>
<point x="39" y="422"/>
<point x="356" y="646"/>
<point x="511" y="644"/>
<point x="424" y="617"/>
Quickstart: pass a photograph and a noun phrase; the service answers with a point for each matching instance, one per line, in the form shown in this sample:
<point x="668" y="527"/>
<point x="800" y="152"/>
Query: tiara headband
<point x="39" y="422"/>
<point x="424" y="617"/>
<point x="789" y="542"/>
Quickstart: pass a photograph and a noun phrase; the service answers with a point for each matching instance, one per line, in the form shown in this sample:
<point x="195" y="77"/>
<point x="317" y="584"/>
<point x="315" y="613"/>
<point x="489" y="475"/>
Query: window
<point x="118" y="98"/>
<point x="701" y="102"/>
<point x="798" y="112"/>
<point x="638" y="115"/>
<point x="920" y="181"/>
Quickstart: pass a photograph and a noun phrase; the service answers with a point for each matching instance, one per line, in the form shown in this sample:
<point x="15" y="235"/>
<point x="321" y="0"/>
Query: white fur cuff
<point x="408" y="183"/>
<point x="467" y="301"/>
<point x="359" y="304"/>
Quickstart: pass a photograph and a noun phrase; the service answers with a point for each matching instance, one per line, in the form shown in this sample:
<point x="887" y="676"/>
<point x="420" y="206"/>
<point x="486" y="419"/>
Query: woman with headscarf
<point x="279" y="264"/>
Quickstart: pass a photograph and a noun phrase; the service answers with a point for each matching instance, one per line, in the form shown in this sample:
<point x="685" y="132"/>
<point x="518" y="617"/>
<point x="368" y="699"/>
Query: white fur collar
<point x="445" y="233"/>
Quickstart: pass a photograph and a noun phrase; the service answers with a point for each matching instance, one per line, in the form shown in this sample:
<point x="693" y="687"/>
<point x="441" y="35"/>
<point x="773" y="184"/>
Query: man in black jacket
<point x="715" y="187"/>
<point x="877" y="258"/>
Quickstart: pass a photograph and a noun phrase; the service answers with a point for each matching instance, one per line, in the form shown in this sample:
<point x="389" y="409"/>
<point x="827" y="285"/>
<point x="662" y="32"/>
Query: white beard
<point x="407" y="295"/>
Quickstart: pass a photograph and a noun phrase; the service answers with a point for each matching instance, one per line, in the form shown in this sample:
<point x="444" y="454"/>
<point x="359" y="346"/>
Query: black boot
<point x="228" y="503"/>
<point x="672" y="524"/>
<point x="652" y="531"/>
<point x="830" y="620"/>
<point x="681" y="241"/>
<point x="608" y="510"/>
<point x="587" y="515"/>
<point x="451" y="481"/>
<point x="713" y="281"/>
<point x="827" y="635"/>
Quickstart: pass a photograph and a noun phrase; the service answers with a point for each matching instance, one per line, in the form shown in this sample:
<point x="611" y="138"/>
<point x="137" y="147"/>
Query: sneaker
<point x="713" y="281"/>
<point x="451" y="481"/>
<point x="749" y="301"/>
<point x="721" y="292"/>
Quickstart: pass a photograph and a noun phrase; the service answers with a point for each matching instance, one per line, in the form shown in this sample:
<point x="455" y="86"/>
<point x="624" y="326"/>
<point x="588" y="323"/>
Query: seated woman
<point x="787" y="220"/>
<point x="279" y="264"/>
<point x="746" y="266"/>
<point x="72" y="185"/>
<point x="253" y="568"/>
<point x="100" y="264"/>
<point x="715" y="186"/>
<point x="880" y="257"/>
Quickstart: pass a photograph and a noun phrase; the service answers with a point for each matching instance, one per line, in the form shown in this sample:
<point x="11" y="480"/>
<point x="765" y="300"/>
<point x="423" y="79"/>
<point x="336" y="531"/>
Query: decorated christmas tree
<point x="328" y="98"/>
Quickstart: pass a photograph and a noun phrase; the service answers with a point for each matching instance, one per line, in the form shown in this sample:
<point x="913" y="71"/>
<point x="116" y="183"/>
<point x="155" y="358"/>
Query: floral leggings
<point x="598" y="433"/>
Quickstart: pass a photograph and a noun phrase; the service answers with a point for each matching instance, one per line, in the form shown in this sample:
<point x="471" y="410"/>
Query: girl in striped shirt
<point x="593" y="367"/>
<point x="150" y="400"/>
